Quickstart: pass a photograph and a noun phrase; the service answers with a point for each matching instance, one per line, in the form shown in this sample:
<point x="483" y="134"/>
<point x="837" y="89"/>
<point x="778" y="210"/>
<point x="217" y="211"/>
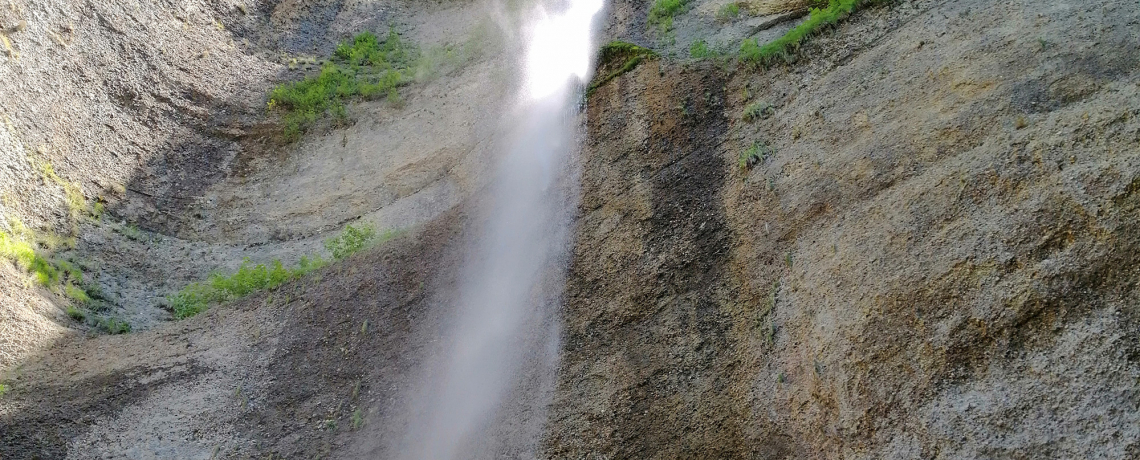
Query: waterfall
<point x="506" y="323"/>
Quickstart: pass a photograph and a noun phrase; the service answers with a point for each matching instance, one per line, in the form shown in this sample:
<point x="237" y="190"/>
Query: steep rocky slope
<point x="935" y="258"/>
<point x="167" y="165"/>
<point x="932" y="255"/>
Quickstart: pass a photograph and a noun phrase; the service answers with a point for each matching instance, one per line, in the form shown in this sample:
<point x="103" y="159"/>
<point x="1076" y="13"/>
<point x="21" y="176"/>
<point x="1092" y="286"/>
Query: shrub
<point x="365" y="68"/>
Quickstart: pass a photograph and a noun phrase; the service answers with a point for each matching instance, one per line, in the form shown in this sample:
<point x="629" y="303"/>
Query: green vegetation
<point x="728" y="12"/>
<point x="662" y="12"/>
<point x="784" y="47"/>
<point x="700" y="50"/>
<point x="350" y="241"/>
<point x="76" y="313"/>
<point x="618" y="51"/>
<point x="23" y="247"/>
<point x="757" y="110"/>
<point x="366" y="67"/>
<point x="249" y="278"/>
<point x="76" y="202"/>
<point x="113" y="325"/>
<point x="756" y="154"/>
<point x="357" y="419"/>
<point x="33" y="252"/>
<point x="3" y="389"/>
<point x="17" y="250"/>
<point x="132" y="232"/>
<point x="76" y="294"/>
<point x="197" y="297"/>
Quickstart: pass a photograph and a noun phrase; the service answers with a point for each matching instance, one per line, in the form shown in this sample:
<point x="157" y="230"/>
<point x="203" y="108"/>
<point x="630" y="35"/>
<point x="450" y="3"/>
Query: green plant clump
<point x="663" y="11"/>
<point x="350" y="241"/>
<point x="76" y="313"/>
<point x="728" y="12"/>
<point x="114" y="326"/>
<point x="756" y="154"/>
<point x="249" y="278"/>
<point x="700" y="50"/>
<point x="757" y="110"/>
<point x="24" y="253"/>
<point x="19" y="251"/>
<point x="618" y="51"/>
<point x="753" y="53"/>
<point x="366" y="67"/>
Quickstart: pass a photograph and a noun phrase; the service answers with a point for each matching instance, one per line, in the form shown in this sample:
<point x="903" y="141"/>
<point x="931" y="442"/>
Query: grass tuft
<point x="21" y="247"/>
<point x="756" y="154"/>
<point x="76" y="313"/>
<point x="728" y="12"/>
<point x="758" y="110"/>
<point x="350" y="241"/>
<point x="762" y="7"/>
<point x="700" y="50"/>
<point x="77" y="294"/>
<point x="784" y="47"/>
<point x="113" y="325"/>
<point x="250" y="278"/>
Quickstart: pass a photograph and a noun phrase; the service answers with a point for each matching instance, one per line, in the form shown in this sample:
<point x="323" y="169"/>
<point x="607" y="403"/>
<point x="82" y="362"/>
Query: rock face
<point x="936" y="258"/>
<point x="926" y="245"/>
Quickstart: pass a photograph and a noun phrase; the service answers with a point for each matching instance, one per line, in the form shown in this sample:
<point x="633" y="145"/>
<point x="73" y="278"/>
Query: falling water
<point x="506" y="326"/>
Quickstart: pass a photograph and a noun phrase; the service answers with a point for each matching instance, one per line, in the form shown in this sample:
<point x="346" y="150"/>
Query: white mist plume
<point x="512" y="281"/>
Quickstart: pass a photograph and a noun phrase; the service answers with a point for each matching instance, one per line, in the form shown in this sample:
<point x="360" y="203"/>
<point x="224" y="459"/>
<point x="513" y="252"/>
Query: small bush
<point x="365" y="67"/>
<point x="3" y="389"/>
